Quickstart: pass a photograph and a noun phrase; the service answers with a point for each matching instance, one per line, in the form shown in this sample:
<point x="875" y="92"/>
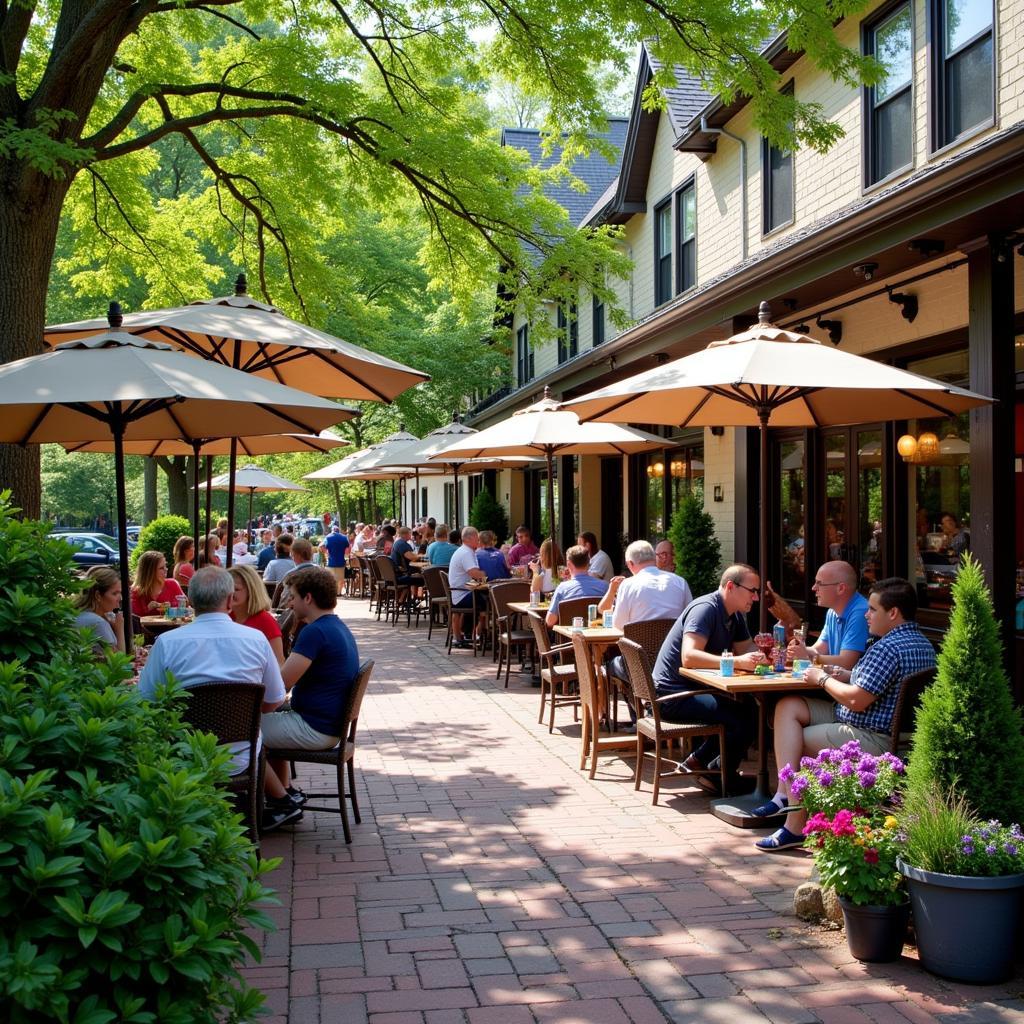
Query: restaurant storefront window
<point x="670" y="475"/>
<point x="791" y="572"/>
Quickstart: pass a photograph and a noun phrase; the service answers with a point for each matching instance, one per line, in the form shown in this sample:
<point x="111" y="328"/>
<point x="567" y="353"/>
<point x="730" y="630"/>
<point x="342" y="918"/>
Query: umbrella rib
<point x="304" y="428"/>
<point x="925" y="401"/>
<point x="179" y="425"/>
<point x="700" y="405"/>
<point x="604" y="412"/>
<point x="369" y="387"/>
<point x="36" y="423"/>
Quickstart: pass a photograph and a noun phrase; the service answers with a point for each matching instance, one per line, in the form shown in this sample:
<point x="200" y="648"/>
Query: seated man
<point x="579" y="584"/>
<point x="302" y="555"/>
<point x="860" y="701"/>
<point x="712" y="624"/>
<point x="281" y="564"/>
<point x="490" y="559"/>
<point x="524" y="550"/>
<point x="216" y="649"/>
<point x="440" y="549"/>
<point x="600" y="564"/>
<point x="463" y="568"/>
<point x="403" y="553"/>
<point x="649" y="593"/>
<point x="319" y="672"/>
<point x="665" y="556"/>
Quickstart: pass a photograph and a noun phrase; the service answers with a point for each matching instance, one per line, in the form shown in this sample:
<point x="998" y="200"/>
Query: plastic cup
<point x="728" y="664"/>
<point x="577" y="624"/>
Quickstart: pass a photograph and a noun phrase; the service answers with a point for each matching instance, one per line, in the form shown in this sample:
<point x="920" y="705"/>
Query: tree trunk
<point x="178" y="482"/>
<point x="148" y="491"/>
<point x="28" y="235"/>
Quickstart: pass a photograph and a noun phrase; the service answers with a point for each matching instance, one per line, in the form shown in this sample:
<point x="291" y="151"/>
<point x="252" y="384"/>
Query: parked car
<point x="91" y="548"/>
<point x="133" y="536"/>
<point x="312" y="527"/>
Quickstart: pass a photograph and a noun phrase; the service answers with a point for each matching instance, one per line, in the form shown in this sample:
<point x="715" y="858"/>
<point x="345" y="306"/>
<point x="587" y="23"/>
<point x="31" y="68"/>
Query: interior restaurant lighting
<point x="656" y="470"/>
<point x="927" y="447"/>
<point x="678" y="467"/>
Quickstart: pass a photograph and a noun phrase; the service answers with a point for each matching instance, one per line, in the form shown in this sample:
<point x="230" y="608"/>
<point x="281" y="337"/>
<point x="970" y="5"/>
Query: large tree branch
<point x="14" y="26"/>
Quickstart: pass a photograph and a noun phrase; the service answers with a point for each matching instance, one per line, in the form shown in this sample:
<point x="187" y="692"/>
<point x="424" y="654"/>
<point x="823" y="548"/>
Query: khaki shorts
<point x="289" y="729"/>
<point x="339" y="572"/>
<point x="826" y="733"/>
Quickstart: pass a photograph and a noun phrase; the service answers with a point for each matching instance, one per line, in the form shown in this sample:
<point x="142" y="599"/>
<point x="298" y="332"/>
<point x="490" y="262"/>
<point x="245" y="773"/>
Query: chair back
<point x="540" y="632"/>
<point x="432" y="581"/>
<point x="359" y="688"/>
<point x="911" y="688"/>
<point x="386" y="570"/>
<point x="568" y="610"/>
<point x="231" y="711"/>
<point x="445" y="586"/>
<point x="649" y="634"/>
<point x="271" y="586"/>
<point x="503" y="592"/>
<point x="373" y="569"/>
<point x="585" y="676"/>
<point x="638" y="669"/>
<point x="286" y="623"/>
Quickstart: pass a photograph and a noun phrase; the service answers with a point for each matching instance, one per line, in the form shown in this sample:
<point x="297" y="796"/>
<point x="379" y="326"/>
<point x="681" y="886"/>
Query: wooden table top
<point x="592" y="634"/>
<point x="162" y="620"/>
<point x="524" y="607"/>
<point x="747" y="682"/>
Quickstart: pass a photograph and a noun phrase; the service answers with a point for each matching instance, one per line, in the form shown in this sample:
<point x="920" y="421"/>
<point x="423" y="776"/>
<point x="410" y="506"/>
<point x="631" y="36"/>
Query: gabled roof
<point x="594" y="170"/>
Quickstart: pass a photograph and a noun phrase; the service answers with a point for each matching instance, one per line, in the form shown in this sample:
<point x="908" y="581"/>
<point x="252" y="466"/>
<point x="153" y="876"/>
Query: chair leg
<point x="657" y="768"/>
<point x="341" y="804"/>
<point x="508" y="665"/>
<point x="638" y="773"/>
<point x="584" y="738"/>
<point x="352" y="790"/>
<point x="551" y="710"/>
<point x="543" y="693"/>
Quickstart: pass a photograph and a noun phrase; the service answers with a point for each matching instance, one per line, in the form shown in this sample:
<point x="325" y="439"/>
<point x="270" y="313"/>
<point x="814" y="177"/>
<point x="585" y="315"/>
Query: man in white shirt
<point x="463" y="568"/>
<point x="216" y="649"/>
<point x="650" y="593"/>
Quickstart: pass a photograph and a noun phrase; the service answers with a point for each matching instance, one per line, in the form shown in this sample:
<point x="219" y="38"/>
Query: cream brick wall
<point x="720" y="469"/>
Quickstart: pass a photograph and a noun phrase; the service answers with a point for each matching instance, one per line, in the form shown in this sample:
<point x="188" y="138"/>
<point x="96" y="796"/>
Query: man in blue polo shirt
<point x="335" y="547"/>
<point x="845" y="636"/>
<point x="579" y="584"/>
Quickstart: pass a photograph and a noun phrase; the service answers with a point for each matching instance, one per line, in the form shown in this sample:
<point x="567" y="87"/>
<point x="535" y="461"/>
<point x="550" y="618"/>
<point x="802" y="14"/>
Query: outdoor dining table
<point x="736" y="810"/>
<point x="598" y="639"/>
<point x="154" y="625"/>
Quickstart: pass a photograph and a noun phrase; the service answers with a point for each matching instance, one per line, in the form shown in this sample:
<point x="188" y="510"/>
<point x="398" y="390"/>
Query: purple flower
<point x="1010" y="848"/>
<point x="991" y="850"/>
<point x="846" y="769"/>
<point x="798" y="786"/>
<point x="868" y="763"/>
<point x="787" y="773"/>
<point x="825" y="779"/>
<point x="868" y="779"/>
<point x="808" y="762"/>
<point x="1015" y="832"/>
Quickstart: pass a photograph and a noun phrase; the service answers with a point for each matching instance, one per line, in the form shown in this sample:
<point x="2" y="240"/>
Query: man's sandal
<point x="781" y="839"/>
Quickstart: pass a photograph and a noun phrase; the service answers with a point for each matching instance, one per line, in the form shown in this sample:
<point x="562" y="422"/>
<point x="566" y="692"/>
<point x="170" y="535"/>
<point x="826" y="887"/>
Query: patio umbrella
<point x="767" y="376"/>
<point x="546" y="429"/>
<point x="132" y="389"/>
<point x="257" y="338"/>
<point x="325" y="441"/>
<point x="252" y="478"/>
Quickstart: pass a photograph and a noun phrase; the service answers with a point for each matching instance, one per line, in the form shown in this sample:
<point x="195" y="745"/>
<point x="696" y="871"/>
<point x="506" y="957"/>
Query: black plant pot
<point x="875" y="934"/>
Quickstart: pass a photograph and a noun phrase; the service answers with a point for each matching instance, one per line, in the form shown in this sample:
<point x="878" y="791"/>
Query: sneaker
<point x="275" y="817"/>
<point x="296" y="796"/>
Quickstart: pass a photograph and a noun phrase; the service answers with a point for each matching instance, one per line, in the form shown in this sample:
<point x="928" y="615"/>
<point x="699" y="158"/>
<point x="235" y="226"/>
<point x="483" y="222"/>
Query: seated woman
<point x="208" y="553"/>
<point x="152" y="587"/>
<point x="545" y="568"/>
<point x="100" y="606"/>
<point x="281" y="564"/>
<point x="250" y="605"/>
<point x="184" y="553"/>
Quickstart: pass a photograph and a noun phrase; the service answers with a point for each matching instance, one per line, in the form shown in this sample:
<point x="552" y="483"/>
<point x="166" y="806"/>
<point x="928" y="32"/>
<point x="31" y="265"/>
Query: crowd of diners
<point x="869" y="643"/>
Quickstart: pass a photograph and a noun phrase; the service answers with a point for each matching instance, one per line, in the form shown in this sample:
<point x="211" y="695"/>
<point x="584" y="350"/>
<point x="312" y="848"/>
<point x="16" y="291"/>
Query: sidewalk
<point x="491" y="883"/>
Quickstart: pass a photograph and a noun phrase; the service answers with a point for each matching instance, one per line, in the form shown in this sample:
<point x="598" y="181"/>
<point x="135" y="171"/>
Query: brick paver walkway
<point x="491" y="883"/>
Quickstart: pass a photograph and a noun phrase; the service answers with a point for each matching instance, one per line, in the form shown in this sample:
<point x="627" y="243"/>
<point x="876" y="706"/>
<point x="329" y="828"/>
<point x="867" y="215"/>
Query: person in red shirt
<point x="250" y="605"/>
<point x="152" y="587"/>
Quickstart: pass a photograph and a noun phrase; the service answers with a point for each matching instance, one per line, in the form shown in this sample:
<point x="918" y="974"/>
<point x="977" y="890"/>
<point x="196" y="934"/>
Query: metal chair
<point x="438" y="601"/>
<point x="232" y="712"/>
<point x="340" y="757"/>
<point x="652" y="728"/>
<point x="506" y="636"/>
<point x="558" y="679"/>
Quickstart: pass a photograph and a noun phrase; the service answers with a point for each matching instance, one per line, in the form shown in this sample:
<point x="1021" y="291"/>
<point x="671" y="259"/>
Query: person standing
<point x="335" y="546"/>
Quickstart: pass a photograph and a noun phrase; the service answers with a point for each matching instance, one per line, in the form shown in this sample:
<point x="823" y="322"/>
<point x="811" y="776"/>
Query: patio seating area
<point x="491" y="881"/>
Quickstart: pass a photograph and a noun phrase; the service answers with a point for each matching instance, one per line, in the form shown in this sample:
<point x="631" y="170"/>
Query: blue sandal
<point x="781" y="839"/>
<point x="770" y="809"/>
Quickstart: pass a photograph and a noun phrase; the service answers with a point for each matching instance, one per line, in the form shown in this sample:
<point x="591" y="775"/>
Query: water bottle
<point x="779" y="634"/>
<point x="728" y="664"/>
<point x="591" y="613"/>
<point x="608" y="624"/>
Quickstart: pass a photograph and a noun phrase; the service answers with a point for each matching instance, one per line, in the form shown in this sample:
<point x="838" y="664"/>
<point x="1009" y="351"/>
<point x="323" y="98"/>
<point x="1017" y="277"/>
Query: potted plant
<point x="844" y="778"/>
<point x="966" y="882"/>
<point x="856" y="855"/>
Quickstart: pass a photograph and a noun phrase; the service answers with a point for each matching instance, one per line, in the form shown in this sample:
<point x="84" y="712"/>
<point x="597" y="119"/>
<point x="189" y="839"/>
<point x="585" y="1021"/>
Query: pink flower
<point x="842" y="824"/>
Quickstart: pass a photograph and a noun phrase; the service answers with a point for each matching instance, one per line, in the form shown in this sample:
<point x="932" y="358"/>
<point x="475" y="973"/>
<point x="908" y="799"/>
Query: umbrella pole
<point x="763" y="531"/>
<point x="248" y="526"/>
<point x="122" y="526"/>
<point x="458" y="517"/>
<point x="231" y="500"/>
<point x="195" y="503"/>
<point x="550" y="453"/>
<point x="209" y="493"/>
<point x="337" y="499"/>
<point x="416" y="496"/>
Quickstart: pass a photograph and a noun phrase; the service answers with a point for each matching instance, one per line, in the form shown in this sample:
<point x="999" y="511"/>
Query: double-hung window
<point x="963" y="76"/>
<point x="524" y="356"/>
<point x="686" y="238"/>
<point x="663" y="252"/>
<point x="776" y="184"/>
<point x="568" y="333"/>
<point x="598" y="322"/>
<point x="889" y="105"/>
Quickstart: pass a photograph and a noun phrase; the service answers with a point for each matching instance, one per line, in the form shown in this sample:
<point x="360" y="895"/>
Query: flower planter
<point x="966" y="927"/>
<point x="875" y="934"/>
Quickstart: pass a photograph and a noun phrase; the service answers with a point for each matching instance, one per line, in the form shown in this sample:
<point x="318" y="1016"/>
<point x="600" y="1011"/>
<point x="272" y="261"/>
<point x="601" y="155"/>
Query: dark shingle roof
<point x="685" y="100"/>
<point x="594" y="170"/>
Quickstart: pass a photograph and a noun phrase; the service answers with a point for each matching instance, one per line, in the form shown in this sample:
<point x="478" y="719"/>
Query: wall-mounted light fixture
<point x="717" y="493"/>
<point x="866" y="270"/>
<point x="908" y="304"/>
<point x="717" y="431"/>
<point x="677" y="468"/>
<point x="834" y="329"/>
<point x="801" y="328"/>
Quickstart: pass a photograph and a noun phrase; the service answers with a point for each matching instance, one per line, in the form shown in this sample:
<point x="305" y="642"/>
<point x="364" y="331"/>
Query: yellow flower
<point x="868" y="833"/>
<point x="891" y="822"/>
<point x="858" y="841"/>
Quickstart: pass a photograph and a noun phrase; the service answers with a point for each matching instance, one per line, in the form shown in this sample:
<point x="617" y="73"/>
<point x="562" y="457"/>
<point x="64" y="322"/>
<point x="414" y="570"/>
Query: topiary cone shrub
<point x="698" y="553"/>
<point x="487" y="513"/>
<point x="968" y="734"/>
<point x="161" y="534"/>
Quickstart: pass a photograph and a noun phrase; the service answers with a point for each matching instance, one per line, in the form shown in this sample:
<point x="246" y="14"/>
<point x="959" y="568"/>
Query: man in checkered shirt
<point x="863" y="699"/>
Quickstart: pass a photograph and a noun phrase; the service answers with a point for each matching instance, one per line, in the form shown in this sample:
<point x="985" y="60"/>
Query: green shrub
<point x="698" y="553"/>
<point x="161" y="535"/>
<point x="36" y="618"/>
<point x="968" y="735"/>
<point x="486" y="513"/>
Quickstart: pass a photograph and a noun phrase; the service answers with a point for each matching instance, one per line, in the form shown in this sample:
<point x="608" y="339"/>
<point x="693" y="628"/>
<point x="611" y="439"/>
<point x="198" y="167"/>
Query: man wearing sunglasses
<point x="711" y="624"/>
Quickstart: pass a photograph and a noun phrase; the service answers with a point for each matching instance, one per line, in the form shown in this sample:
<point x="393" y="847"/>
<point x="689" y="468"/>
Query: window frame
<point x="568" y="320"/>
<point x="869" y="108"/>
<point x="663" y="287"/>
<point x="768" y="228"/>
<point x="597" y="322"/>
<point x="938" y="59"/>
<point x="524" y="356"/>
<point x="688" y="186"/>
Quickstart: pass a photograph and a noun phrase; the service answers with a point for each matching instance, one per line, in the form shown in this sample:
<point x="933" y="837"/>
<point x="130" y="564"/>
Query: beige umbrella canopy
<point x="252" y="478"/>
<point x="124" y="386"/>
<point x="770" y="377"/>
<point x="546" y="429"/>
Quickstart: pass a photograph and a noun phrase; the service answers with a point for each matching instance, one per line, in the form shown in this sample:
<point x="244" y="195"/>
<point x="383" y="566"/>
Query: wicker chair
<point x="286" y="623"/>
<point x="232" y="711"/>
<point x="639" y="669"/>
<point x="558" y="679"/>
<point x="506" y="636"/>
<point x="568" y="610"/>
<point x="340" y="757"/>
<point x="911" y="688"/>
<point x="438" y="602"/>
<point x="392" y="591"/>
<point x="591" y="740"/>
<point x="650" y="635"/>
<point x="376" y="584"/>
<point x="271" y="586"/>
<point x="446" y="587"/>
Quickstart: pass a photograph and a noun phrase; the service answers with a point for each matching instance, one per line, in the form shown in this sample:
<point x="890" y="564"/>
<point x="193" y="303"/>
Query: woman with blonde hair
<point x="184" y="552"/>
<point x="208" y="551"/>
<point x="100" y="606"/>
<point x="152" y="587"/>
<point x="250" y="606"/>
<point x="545" y="568"/>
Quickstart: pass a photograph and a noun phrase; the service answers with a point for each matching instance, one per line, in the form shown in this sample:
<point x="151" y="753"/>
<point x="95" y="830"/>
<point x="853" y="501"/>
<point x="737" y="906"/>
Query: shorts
<point x="473" y="598"/>
<point x="289" y="729"/>
<point x="338" y="571"/>
<point x="825" y="732"/>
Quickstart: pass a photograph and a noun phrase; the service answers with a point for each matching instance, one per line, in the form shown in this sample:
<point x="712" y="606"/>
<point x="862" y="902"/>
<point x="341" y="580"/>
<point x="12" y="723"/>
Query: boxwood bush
<point x="161" y="534"/>
<point x="127" y="884"/>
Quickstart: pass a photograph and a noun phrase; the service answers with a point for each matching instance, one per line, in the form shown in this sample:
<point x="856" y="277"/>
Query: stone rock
<point x="830" y="902"/>
<point x="807" y="903"/>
